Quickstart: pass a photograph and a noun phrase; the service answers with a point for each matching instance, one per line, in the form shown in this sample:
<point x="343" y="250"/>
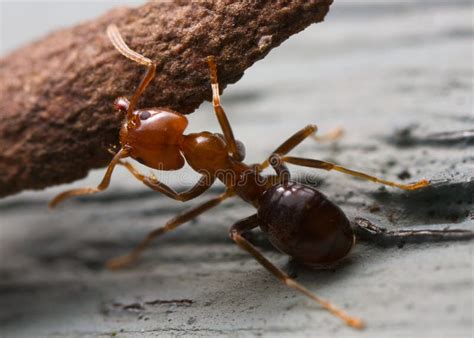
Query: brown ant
<point x="298" y="219"/>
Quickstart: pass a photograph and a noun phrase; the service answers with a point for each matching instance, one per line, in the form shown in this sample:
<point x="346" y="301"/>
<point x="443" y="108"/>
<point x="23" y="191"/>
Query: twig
<point x="56" y="95"/>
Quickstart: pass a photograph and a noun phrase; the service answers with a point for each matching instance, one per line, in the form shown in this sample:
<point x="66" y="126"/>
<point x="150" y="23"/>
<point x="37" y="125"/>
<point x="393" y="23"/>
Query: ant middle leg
<point x="204" y="183"/>
<point x="220" y="113"/>
<point x="250" y="223"/>
<point x="104" y="184"/>
<point x="306" y="162"/>
<point x="122" y="261"/>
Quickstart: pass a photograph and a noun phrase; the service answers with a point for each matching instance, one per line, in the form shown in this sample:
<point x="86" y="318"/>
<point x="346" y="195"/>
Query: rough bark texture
<point x="56" y="115"/>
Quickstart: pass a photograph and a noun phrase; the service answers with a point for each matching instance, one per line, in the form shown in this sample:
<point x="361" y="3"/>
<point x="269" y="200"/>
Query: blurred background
<point x="388" y="72"/>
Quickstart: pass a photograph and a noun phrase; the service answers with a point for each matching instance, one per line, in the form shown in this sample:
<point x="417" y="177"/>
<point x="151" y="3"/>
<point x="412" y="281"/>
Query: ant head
<point x="155" y="138"/>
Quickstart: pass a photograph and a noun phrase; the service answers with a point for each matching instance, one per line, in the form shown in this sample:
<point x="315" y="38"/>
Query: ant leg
<point x="221" y="116"/>
<point x="117" y="40"/>
<point x="204" y="183"/>
<point x="330" y="136"/>
<point x="368" y="231"/>
<point x="280" y="168"/>
<point x="305" y="162"/>
<point x="251" y="222"/>
<point x="88" y="191"/>
<point x="308" y="131"/>
<point x="188" y="215"/>
<point x="291" y="143"/>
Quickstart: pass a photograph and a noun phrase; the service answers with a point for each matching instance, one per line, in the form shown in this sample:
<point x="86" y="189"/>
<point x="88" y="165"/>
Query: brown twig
<point x="56" y="115"/>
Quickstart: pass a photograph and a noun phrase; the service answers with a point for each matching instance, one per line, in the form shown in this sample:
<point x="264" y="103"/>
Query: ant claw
<point x="420" y="184"/>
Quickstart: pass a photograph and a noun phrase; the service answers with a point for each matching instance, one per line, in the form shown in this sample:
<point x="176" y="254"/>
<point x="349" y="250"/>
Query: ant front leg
<point x="250" y="223"/>
<point x="204" y="183"/>
<point x="88" y="191"/>
<point x="306" y="162"/>
<point x="123" y="261"/>
<point x="221" y="116"/>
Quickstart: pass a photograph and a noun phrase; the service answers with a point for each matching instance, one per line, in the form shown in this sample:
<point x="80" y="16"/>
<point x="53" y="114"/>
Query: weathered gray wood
<point x="372" y="69"/>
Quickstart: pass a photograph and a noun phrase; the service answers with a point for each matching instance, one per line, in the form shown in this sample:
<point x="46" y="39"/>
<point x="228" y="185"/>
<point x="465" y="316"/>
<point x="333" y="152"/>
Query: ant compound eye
<point x="144" y="115"/>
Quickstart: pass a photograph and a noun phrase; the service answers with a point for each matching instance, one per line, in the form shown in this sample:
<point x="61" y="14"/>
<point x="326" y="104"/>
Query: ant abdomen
<point x="303" y="223"/>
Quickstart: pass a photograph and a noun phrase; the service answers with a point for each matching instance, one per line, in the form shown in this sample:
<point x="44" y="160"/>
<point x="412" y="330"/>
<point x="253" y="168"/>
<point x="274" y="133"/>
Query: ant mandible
<point x="298" y="219"/>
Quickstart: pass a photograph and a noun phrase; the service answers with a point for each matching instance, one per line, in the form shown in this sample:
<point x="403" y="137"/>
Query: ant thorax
<point x="206" y="152"/>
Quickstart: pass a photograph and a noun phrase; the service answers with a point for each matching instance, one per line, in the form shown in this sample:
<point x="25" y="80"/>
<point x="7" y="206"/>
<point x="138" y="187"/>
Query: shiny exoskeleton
<point x="298" y="219"/>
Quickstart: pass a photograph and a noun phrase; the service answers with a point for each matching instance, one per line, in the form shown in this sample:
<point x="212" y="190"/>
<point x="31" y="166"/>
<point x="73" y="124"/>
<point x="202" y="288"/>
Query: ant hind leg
<point x="250" y="223"/>
<point x="370" y="232"/>
<point x="186" y="216"/>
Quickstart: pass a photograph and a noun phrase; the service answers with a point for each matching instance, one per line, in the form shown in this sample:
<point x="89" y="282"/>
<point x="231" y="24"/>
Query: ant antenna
<point x="117" y="40"/>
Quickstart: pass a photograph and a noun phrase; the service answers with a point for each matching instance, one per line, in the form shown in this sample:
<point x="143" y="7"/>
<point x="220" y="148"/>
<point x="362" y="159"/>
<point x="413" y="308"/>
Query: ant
<point x="298" y="219"/>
